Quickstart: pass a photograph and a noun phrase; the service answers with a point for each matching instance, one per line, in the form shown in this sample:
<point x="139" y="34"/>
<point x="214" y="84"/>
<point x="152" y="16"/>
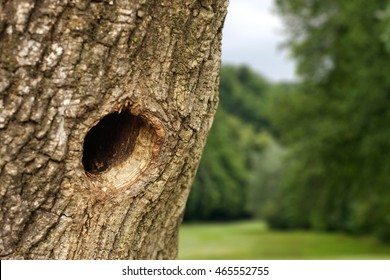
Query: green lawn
<point x="252" y="240"/>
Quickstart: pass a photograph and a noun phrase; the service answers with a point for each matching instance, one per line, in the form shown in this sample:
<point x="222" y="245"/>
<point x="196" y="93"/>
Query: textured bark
<point x="104" y="111"/>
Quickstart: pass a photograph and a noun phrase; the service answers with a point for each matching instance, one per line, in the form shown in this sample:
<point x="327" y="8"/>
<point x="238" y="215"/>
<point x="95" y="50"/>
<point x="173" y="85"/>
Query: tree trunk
<point x="104" y="111"/>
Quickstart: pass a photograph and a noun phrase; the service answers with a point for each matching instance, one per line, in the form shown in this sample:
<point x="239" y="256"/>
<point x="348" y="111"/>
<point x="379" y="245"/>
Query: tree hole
<point x="111" y="141"/>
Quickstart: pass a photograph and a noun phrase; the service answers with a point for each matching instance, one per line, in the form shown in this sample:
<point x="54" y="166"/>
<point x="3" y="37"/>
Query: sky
<point x="252" y="35"/>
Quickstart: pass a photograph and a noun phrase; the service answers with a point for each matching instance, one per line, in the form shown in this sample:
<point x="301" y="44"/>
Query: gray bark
<point x="104" y="111"/>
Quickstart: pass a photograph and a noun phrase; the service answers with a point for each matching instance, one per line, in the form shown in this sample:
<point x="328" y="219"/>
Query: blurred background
<point x="297" y="164"/>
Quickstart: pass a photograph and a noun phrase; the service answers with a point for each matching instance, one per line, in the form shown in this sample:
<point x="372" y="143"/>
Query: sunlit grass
<point x="252" y="240"/>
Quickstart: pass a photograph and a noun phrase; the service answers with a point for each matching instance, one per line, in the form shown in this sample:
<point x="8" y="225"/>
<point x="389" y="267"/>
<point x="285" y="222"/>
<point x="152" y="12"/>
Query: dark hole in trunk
<point x="111" y="141"/>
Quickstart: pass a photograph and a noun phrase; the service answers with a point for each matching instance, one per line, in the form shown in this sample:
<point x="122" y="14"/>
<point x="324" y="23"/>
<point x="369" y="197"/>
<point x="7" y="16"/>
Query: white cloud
<point x="251" y="36"/>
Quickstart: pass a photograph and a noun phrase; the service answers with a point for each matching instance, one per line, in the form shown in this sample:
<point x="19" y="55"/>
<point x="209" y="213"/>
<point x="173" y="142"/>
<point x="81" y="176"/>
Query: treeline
<point x="241" y="153"/>
<point x="315" y="154"/>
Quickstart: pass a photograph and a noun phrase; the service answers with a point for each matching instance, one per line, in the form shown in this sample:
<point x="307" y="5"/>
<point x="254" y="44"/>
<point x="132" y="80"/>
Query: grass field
<point x="252" y="240"/>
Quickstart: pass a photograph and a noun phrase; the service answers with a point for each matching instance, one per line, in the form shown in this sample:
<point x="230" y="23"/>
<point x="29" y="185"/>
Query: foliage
<point x="220" y="185"/>
<point x="242" y="94"/>
<point x="336" y="124"/>
<point x="227" y="175"/>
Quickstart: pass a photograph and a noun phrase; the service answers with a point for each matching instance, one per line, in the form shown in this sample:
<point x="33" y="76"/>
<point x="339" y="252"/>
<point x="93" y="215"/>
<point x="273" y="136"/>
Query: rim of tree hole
<point x="119" y="149"/>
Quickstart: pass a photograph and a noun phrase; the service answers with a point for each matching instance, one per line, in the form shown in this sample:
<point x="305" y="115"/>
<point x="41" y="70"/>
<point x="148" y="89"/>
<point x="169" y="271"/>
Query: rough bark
<point x="104" y="111"/>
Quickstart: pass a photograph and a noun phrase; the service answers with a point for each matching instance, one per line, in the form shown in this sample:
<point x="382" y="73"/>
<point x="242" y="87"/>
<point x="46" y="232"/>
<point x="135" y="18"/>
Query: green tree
<point x="227" y="173"/>
<point x="242" y="94"/>
<point x="219" y="191"/>
<point x="336" y="123"/>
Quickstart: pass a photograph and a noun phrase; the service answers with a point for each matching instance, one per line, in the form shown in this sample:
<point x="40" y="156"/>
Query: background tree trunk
<point x="104" y="111"/>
